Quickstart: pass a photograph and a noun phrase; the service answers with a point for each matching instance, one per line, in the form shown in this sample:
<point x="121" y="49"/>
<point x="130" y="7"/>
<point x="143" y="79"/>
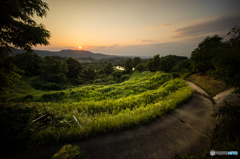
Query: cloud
<point x="160" y="26"/>
<point x="145" y="41"/>
<point x="96" y="47"/>
<point x="102" y="47"/>
<point x="116" y="45"/>
<point x="220" y="25"/>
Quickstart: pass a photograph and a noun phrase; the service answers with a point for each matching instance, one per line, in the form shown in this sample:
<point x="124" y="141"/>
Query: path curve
<point x="186" y="129"/>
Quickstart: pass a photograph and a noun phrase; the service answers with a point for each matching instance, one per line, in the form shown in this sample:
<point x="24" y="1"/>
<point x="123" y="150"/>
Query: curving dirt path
<point x="185" y="129"/>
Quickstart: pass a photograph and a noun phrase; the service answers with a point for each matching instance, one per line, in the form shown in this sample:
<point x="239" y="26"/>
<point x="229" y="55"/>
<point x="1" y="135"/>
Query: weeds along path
<point x="185" y="129"/>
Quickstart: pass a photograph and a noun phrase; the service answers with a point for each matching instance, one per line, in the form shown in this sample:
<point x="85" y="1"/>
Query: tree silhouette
<point x="167" y="63"/>
<point x="18" y="29"/>
<point x="149" y="65"/>
<point x="108" y="68"/>
<point x="74" y="68"/>
<point x="136" y="61"/>
<point x="201" y="57"/>
<point x="53" y="70"/>
<point x="128" y="65"/>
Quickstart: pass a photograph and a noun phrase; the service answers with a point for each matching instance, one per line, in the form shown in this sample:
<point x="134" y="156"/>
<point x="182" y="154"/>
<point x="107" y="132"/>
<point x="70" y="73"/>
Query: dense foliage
<point x="128" y="66"/>
<point x="71" y="152"/>
<point x="29" y="62"/>
<point x="103" y="108"/>
<point x="18" y="29"/>
<point x="226" y="63"/>
<point x="224" y="66"/>
<point x="201" y="57"/>
<point x="140" y="67"/>
<point x="136" y="61"/>
<point x="167" y="63"/>
<point x="53" y="70"/>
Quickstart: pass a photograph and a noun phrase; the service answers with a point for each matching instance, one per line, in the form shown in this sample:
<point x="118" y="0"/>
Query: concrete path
<point x="225" y="96"/>
<point x="185" y="129"/>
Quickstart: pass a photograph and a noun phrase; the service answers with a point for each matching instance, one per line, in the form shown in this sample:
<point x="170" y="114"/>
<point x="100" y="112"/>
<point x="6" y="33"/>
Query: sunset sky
<point x="137" y="27"/>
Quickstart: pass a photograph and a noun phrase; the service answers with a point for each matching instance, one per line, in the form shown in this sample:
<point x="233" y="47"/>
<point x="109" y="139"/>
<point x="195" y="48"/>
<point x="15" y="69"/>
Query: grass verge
<point x="209" y="84"/>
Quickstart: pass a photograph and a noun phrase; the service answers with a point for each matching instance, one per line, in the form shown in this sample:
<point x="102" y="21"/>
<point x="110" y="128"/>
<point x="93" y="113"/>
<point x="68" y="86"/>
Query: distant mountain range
<point x="83" y="54"/>
<point x="66" y="53"/>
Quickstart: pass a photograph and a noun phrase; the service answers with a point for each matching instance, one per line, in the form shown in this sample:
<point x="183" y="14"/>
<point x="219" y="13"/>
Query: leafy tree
<point x="167" y="63"/>
<point x="128" y="65"/>
<point x="98" y="67"/>
<point x="29" y="62"/>
<point x="227" y="62"/>
<point x="59" y="57"/>
<point x="104" y="63"/>
<point x="53" y="70"/>
<point x="156" y="62"/>
<point x="108" y="68"/>
<point x="9" y="72"/>
<point x="234" y="42"/>
<point x="201" y="57"/>
<point x="90" y="71"/>
<point x="136" y="61"/>
<point x="149" y="65"/>
<point x="18" y="29"/>
<point x="74" y="68"/>
<point x="117" y="73"/>
<point x="140" y="67"/>
<point x="182" y="65"/>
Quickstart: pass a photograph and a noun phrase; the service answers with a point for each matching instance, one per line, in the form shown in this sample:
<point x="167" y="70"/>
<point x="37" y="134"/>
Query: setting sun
<point x="79" y="47"/>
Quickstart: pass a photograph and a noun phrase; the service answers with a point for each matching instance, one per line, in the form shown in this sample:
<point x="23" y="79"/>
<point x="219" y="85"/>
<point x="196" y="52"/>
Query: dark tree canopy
<point x="201" y="57"/>
<point x="90" y="71"/>
<point x="227" y="61"/>
<point x="53" y="70"/>
<point x="140" y="67"/>
<point x="128" y="65"/>
<point x="156" y="62"/>
<point x="108" y="68"/>
<point x="18" y="29"/>
<point x="149" y="65"/>
<point x="74" y="68"/>
<point x="29" y="62"/>
<point x="167" y="63"/>
<point x="9" y="72"/>
<point x="136" y="61"/>
<point x="235" y="39"/>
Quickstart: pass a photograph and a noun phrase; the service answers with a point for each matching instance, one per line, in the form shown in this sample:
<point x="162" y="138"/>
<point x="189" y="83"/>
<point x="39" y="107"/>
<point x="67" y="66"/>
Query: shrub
<point x="44" y="85"/>
<point x="140" y="67"/>
<point x="111" y="82"/>
<point x="124" y="77"/>
<point x="73" y="152"/>
<point x="117" y="73"/>
<point x="53" y="96"/>
<point x="175" y="75"/>
<point x="26" y="98"/>
<point x="14" y="121"/>
<point x="98" y="81"/>
<point x="51" y="86"/>
<point x="186" y="75"/>
<point x="76" y="81"/>
<point x="102" y="76"/>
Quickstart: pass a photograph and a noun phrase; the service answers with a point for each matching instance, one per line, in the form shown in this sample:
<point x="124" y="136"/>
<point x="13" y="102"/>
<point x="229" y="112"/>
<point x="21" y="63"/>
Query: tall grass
<point x="100" y="109"/>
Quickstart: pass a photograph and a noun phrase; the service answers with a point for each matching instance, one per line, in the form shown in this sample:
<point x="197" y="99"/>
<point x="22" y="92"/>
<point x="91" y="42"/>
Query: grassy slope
<point x="102" y="108"/>
<point x="209" y="84"/>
